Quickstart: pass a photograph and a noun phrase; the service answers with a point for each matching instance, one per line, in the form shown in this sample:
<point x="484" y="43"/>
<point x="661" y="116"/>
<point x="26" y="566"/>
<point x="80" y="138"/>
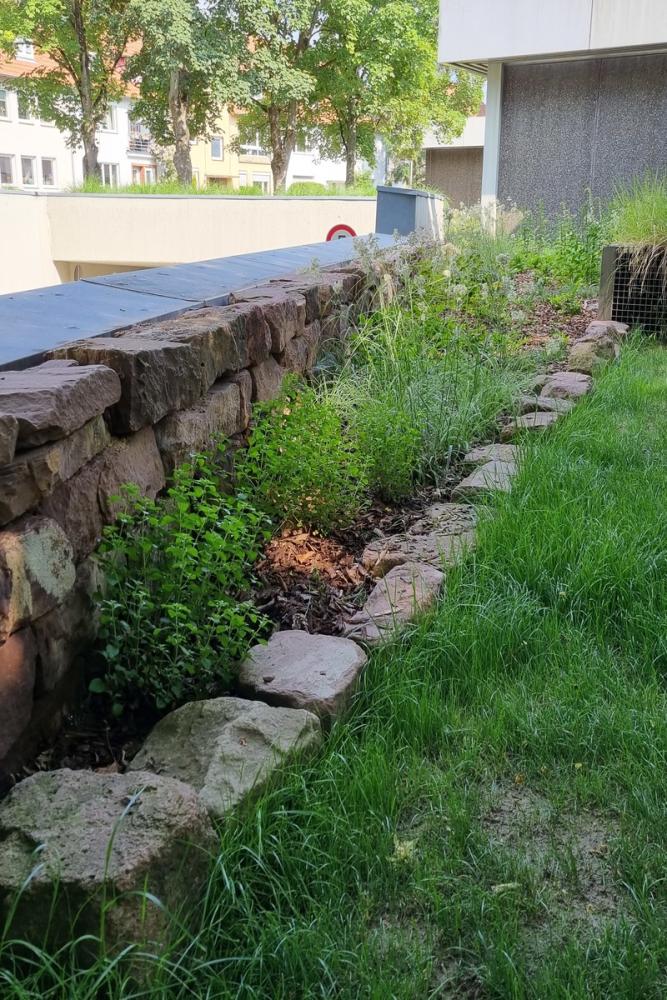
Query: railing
<point x="139" y="144"/>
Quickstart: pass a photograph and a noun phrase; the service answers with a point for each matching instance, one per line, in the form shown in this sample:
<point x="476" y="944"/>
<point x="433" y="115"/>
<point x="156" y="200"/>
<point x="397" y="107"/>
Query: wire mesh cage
<point x="633" y="289"/>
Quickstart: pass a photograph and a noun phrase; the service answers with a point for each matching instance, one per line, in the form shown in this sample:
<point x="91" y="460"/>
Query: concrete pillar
<point x="494" y="97"/>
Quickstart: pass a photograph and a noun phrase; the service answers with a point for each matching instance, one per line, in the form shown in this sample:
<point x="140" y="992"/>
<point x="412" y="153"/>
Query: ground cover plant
<point x="489" y="819"/>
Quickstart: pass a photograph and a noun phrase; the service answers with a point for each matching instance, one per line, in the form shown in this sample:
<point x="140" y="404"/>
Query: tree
<point x="85" y="42"/>
<point x="277" y="70"/>
<point x="188" y="71"/>
<point x="378" y="73"/>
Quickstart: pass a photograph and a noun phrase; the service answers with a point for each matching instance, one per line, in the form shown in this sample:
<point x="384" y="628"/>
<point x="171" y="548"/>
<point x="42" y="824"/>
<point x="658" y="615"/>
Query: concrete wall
<point x="568" y="127"/>
<point x="457" y="172"/>
<point x="25" y="244"/>
<point x="483" y="30"/>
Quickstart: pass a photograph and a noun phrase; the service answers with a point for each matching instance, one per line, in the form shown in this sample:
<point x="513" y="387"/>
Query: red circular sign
<point x="340" y="232"/>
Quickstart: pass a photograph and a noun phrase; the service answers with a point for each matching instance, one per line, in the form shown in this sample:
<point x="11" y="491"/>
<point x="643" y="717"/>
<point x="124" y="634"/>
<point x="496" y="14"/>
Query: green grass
<point x="370" y="872"/>
<point x="360" y="190"/>
<point x="637" y="215"/>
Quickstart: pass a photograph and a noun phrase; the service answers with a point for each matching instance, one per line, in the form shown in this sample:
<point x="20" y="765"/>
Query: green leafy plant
<point x="176" y="616"/>
<point x="301" y="466"/>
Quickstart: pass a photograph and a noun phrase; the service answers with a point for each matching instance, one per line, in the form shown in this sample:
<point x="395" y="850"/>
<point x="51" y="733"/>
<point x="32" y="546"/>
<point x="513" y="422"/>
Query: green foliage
<point x="567" y="251"/>
<point x="637" y="213"/>
<point x="301" y="467"/>
<point x="175" y="617"/>
<point x="307" y="189"/>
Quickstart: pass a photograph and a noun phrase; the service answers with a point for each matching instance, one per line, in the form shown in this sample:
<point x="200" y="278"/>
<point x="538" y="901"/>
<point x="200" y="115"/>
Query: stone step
<point x="485" y="453"/>
<point x="567" y="385"/>
<point x="226" y="748"/>
<point x="440" y="538"/>
<point x="395" y="600"/>
<point x="488" y="478"/>
<point x="530" y="404"/>
<point x="537" y="421"/>
<point x="300" y="670"/>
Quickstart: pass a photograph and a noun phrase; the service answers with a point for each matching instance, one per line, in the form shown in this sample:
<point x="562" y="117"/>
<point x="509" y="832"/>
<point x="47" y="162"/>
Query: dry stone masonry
<point x="127" y="408"/>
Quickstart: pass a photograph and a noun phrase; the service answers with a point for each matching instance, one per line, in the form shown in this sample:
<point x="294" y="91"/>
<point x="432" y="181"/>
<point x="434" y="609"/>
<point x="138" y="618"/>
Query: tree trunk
<point x="351" y="155"/>
<point x="178" y="109"/>
<point x="91" y="167"/>
<point x="282" y="144"/>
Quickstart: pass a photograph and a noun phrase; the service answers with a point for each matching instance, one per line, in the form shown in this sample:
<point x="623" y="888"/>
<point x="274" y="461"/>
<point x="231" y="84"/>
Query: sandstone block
<point x="315" y="672"/>
<point x="490" y="477"/>
<point x="538" y="420"/>
<point x="395" y="600"/>
<point x="56" y="398"/>
<point x="68" y="630"/>
<point x="567" y="385"/>
<point x="104" y="840"/>
<point x="157" y="376"/>
<point x="529" y="404"/>
<point x="284" y="312"/>
<point x="36" y="571"/>
<point x="485" y="453"/>
<point x="9" y="432"/>
<point x="440" y="538"/>
<point x="607" y="327"/>
<point x="17" y="684"/>
<point x="36" y="473"/>
<point x="226" y="748"/>
<point x="75" y="506"/>
<point x="322" y="290"/>
<point x="592" y="351"/>
<point x="267" y="380"/>
<point x="187" y="432"/>
<point x="300" y="355"/>
<point x="243" y="380"/>
<point x="136" y="460"/>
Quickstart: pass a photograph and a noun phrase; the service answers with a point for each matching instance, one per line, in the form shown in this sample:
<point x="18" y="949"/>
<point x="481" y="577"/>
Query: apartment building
<point x="576" y="93"/>
<point x="455" y="167"/>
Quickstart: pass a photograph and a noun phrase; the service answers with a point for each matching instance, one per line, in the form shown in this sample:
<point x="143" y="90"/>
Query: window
<point x="143" y="174"/>
<point x="109" y="173"/>
<point x="4" y="105"/>
<point x="262" y="181"/>
<point x="48" y="172"/>
<point x="28" y="171"/>
<point x="253" y="147"/>
<point x="109" y="123"/>
<point x="24" y="108"/>
<point x="6" y="170"/>
<point x="25" y="50"/>
<point x="217" y="148"/>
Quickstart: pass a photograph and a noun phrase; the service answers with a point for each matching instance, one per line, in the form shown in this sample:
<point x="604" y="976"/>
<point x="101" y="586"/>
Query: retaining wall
<point x="125" y="408"/>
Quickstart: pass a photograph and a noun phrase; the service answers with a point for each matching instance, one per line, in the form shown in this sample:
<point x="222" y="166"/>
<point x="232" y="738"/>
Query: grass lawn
<point x="489" y="820"/>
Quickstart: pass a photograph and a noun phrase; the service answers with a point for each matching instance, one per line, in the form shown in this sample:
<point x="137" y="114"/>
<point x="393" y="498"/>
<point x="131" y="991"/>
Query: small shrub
<point x="301" y="466"/>
<point x="176" y="616"/>
<point x="391" y="443"/>
<point x="305" y="189"/>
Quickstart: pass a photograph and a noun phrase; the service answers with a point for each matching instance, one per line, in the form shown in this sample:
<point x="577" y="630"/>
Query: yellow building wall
<point x="208" y="170"/>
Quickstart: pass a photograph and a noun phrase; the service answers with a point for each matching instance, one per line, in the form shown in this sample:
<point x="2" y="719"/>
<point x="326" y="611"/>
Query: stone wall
<point x="128" y="408"/>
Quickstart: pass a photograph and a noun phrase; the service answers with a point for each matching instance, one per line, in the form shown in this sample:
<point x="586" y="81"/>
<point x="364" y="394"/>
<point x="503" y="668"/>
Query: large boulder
<point x="218" y="415"/>
<point x="17" y="686"/>
<point x="36" y="473"/>
<point x="226" y="747"/>
<point x="56" y="398"/>
<point x="36" y="571"/>
<point x="9" y="433"/>
<point x="157" y="376"/>
<point x="440" y="537"/>
<point x="567" y="385"/>
<point x="81" y="851"/>
<point x="395" y="600"/>
<point x="315" y="672"/>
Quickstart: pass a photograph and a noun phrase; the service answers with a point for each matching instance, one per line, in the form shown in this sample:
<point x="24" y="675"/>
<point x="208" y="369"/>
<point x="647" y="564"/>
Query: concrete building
<point x="576" y="93"/>
<point x="455" y="167"/>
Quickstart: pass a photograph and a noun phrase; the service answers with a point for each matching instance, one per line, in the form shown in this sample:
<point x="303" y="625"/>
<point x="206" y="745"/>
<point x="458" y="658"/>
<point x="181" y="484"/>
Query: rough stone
<point x="267" y="380"/>
<point x="226" y="748"/>
<point x="322" y="290"/>
<point x="315" y="672"/>
<point x="36" y="571"/>
<point x="607" y="327"/>
<point x="530" y="404"/>
<point x="9" y="433"/>
<point x="68" y="630"/>
<point x="491" y="477"/>
<point x="485" y="453"/>
<point x="182" y="434"/>
<point x="75" y="506"/>
<point x="134" y="460"/>
<point x="36" y="473"/>
<point x="284" y="312"/>
<point x="17" y="683"/>
<point x="441" y="537"/>
<point x="157" y="376"/>
<point x="300" y="355"/>
<point x="396" y="599"/>
<point x="103" y="841"/>
<point x="590" y="352"/>
<point x="244" y="381"/>
<point x="538" y="420"/>
<point x="56" y="398"/>
<point x="566" y="385"/>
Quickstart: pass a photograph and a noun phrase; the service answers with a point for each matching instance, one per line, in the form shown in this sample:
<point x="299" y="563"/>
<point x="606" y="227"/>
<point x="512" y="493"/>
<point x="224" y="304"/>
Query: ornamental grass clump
<point x="637" y="221"/>
<point x="176" y="616"/>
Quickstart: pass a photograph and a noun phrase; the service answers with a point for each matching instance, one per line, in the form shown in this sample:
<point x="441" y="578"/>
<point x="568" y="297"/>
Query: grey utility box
<point x="407" y="210"/>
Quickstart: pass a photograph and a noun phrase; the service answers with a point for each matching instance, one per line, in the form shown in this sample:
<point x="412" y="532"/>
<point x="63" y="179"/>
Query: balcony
<point x="140" y="143"/>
